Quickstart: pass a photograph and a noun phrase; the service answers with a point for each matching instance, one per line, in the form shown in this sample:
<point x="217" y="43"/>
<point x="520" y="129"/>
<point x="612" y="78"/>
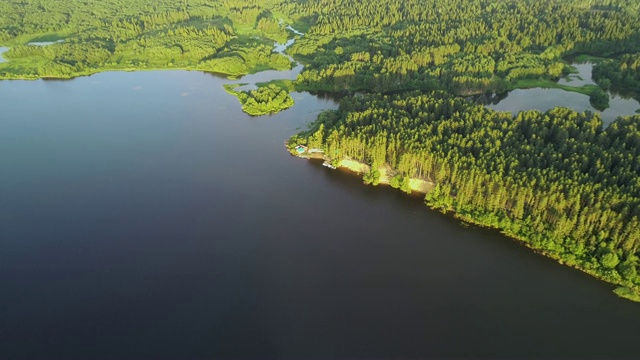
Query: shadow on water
<point x="489" y="98"/>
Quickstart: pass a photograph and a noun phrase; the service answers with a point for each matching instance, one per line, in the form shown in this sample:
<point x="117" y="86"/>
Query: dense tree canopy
<point x="232" y="37"/>
<point x="464" y="46"/>
<point x="623" y="73"/>
<point x="266" y="99"/>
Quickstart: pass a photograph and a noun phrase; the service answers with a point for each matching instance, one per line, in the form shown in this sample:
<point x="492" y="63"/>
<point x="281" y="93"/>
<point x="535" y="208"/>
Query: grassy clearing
<point x="287" y="85"/>
<point x="42" y="37"/>
<point x="548" y="84"/>
<point x="49" y="37"/>
<point x="583" y="58"/>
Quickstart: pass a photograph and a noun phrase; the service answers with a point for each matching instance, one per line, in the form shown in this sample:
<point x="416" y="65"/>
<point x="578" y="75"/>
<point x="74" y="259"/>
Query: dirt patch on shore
<point x="354" y="166"/>
<point x="420" y="185"/>
<point x="386" y="174"/>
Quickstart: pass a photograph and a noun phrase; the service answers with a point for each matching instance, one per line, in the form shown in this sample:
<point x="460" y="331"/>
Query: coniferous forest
<point x="559" y="181"/>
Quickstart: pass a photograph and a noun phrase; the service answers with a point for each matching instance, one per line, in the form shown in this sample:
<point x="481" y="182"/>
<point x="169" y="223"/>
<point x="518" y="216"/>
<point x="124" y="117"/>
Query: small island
<point x="265" y="100"/>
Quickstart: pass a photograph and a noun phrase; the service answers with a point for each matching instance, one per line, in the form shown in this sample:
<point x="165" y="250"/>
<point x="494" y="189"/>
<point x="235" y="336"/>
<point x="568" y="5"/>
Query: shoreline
<point x="228" y="76"/>
<point x="622" y="289"/>
<point x="386" y="174"/>
<point x="233" y="76"/>
<point x="418" y="185"/>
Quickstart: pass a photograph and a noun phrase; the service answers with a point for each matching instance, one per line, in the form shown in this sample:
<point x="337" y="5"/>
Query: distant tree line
<point x="462" y="46"/>
<point x="231" y="37"/>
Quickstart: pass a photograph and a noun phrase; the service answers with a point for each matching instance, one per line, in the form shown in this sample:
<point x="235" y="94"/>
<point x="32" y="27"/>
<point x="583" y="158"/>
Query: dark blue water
<point x="144" y="216"/>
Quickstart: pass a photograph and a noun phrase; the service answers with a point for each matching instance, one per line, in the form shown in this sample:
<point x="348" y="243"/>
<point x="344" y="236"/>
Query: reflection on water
<point x="546" y="99"/>
<point x="251" y="80"/>
<point x="582" y="77"/>
<point x="294" y="30"/>
<point x="280" y="48"/>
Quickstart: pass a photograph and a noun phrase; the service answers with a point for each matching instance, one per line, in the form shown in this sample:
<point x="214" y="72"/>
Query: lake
<point x="143" y="215"/>
<point x="546" y="99"/>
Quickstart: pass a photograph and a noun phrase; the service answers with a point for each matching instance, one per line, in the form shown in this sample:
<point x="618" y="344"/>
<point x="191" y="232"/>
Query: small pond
<point x="545" y="99"/>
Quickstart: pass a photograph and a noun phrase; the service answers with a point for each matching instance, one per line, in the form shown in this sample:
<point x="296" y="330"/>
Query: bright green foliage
<point x="599" y="99"/>
<point x="609" y="259"/>
<point x="623" y="73"/>
<point x="405" y="185"/>
<point x="395" y="181"/>
<point x="229" y="37"/>
<point x="462" y="46"/>
<point x="265" y="100"/>
<point x="372" y="177"/>
<point x="628" y="293"/>
<point x="317" y="139"/>
<point x="628" y="268"/>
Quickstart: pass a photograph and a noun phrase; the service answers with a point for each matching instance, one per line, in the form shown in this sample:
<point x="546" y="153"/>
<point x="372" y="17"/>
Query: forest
<point x="229" y="37"/>
<point x="622" y="74"/>
<point x="462" y="46"/>
<point x="559" y="181"/>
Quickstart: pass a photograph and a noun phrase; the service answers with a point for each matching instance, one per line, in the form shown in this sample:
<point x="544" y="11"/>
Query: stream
<point x="269" y="75"/>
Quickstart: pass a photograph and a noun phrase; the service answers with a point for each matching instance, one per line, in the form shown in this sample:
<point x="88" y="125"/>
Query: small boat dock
<point x="328" y="165"/>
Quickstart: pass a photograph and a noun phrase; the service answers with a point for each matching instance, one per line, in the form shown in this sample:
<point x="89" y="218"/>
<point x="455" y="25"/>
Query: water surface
<point x="269" y="75"/>
<point x="582" y="77"/>
<point x="144" y="215"/>
<point x="546" y="99"/>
